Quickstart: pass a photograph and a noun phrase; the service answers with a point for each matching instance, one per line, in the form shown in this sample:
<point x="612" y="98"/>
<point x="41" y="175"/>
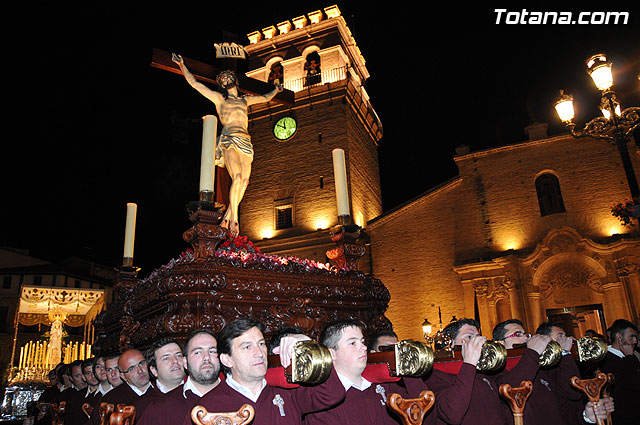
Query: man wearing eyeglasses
<point x="135" y="376"/>
<point x="553" y="401"/>
<point x="486" y="406"/>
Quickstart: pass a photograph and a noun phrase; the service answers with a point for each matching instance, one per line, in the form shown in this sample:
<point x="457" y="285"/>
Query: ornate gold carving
<point x="569" y="277"/>
<point x="413" y="358"/>
<point x="551" y="354"/>
<point x="591" y="349"/>
<point x="492" y="357"/>
<point x="311" y="363"/>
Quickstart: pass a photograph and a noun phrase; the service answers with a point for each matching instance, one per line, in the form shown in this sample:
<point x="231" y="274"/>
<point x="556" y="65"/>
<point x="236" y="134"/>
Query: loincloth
<point x="240" y="142"/>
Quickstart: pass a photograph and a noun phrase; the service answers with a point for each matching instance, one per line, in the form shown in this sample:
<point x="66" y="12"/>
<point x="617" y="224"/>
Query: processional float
<point x="222" y="278"/>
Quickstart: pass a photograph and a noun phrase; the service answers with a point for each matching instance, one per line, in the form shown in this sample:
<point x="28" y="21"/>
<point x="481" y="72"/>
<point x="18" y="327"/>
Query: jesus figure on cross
<point x="234" y="150"/>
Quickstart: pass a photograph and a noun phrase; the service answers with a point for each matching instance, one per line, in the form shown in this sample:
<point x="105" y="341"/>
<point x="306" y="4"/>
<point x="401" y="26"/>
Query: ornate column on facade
<point x="514" y="299"/>
<point x="536" y="310"/>
<point x="482" y="288"/>
<point x="629" y="274"/>
<point x="616" y="302"/>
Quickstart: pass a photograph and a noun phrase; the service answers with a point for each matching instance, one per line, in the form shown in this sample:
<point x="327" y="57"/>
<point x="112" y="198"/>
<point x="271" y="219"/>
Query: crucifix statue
<point x="234" y="149"/>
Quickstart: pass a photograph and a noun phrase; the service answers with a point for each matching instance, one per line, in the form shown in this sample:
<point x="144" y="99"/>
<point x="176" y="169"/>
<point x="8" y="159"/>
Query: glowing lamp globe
<point x="599" y="68"/>
<point x="564" y="107"/>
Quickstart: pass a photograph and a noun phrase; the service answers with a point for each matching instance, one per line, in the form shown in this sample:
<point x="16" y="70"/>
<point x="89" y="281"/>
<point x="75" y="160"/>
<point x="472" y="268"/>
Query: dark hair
<point x="280" y="333"/>
<point x="373" y="342"/>
<point x="185" y="347"/>
<point x="95" y="363"/>
<point x="111" y="357"/>
<point x="546" y="328"/>
<point x="500" y="331"/>
<point x="619" y="326"/>
<point x="232" y="331"/>
<point x="453" y="328"/>
<point x="88" y="362"/>
<point x="74" y="364"/>
<point x="150" y="354"/>
<point x="332" y="331"/>
<point x="61" y="371"/>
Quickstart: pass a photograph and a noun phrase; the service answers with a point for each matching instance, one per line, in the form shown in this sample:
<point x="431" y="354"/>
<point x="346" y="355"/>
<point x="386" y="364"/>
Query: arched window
<point x="276" y="73"/>
<point x="312" y="69"/>
<point x="549" y="195"/>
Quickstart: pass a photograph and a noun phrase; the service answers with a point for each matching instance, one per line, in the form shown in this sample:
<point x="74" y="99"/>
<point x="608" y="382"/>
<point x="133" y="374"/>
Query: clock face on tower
<point x="285" y="128"/>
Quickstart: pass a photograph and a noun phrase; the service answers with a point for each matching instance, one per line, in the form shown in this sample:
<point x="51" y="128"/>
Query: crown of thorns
<point x="226" y="79"/>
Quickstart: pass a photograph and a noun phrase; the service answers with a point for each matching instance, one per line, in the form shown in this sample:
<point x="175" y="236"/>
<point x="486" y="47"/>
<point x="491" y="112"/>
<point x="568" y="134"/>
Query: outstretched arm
<point x="212" y="95"/>
<point x="251" y="100"/>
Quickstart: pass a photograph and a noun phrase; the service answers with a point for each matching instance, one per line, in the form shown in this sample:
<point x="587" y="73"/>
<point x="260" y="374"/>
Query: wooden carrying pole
<point x="517" y="398"/>
<point x="592" y="388"/>
<point x="412" y="410"/>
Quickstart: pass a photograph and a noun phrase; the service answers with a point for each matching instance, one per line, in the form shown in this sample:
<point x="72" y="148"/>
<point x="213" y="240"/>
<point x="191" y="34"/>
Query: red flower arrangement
<point x="239" y="243"/>
<point x="626" y="211"/>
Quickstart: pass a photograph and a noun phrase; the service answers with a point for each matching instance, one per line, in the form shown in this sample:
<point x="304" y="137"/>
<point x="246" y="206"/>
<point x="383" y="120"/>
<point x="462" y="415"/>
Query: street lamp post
<point x="615" y="125"/>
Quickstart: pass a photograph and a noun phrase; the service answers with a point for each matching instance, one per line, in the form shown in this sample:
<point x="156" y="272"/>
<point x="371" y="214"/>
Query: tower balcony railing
<point x="324" y="77"/>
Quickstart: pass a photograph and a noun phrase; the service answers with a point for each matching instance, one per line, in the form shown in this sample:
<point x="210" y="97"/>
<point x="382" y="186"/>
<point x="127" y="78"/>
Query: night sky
<point x="92" y="126"/>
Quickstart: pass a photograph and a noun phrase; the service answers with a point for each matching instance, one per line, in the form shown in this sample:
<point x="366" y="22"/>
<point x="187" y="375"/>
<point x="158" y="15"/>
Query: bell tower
<point x="291" y="200"/>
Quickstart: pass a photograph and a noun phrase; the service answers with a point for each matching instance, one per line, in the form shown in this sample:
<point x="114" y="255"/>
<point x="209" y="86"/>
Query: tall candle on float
<point x="208" y="157"/>
<point x="340" y="176"/>
<point x="129" y="234"/>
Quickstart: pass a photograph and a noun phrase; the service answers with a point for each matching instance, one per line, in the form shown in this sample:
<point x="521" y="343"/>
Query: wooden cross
<point x="207" y="73"/>
<point x="278" y="401"/>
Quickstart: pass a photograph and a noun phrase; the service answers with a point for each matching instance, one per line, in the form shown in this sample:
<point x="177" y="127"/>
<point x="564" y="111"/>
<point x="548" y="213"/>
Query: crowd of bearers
<point x="225" y="371"/>
<point x="553" y="400"/>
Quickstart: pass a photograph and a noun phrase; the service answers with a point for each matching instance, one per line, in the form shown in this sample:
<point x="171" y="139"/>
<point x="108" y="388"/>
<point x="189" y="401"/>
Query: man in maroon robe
<point x="100" y="371"/>
<point x="135" y="383"/>
<point x="200" y="359"/>
<point x="381" y="340"/>
<point x="486" y="405"/>
<point x="46" y="398"/>
<point x="73" y="414"/>
<point x="243" y="356"/>
<point x="113" y="373"/>
<point x="553" y="400"/>
<point x="365" y="401"/>
<point x="625" y="366"/>
<point x="164" y="359"/>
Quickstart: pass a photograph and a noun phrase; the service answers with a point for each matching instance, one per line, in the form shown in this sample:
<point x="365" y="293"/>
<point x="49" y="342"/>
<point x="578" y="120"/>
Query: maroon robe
<point x="626" y="387"/>
<point x="122" y="394"/>
<point x="553" y="400"/>
<point x="453" y="394"/>
<point x="170" y="408"/>
<point x="486" y="406"/>
<point x="297" y="401"/>
<point x="73" y="414"/>
<point x="363" y="407"/>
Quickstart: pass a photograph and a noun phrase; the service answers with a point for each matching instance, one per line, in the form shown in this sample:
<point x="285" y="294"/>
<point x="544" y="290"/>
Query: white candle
<point x="340" y="176"/>
<point x="130" y="230"/>
<point x="207" y="158"/>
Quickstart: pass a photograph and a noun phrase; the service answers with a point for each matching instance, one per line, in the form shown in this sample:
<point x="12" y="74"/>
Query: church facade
<point x="524" y="231"/>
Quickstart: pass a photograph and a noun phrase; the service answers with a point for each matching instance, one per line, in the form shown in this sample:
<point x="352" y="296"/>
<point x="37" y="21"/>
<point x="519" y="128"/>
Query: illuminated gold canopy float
<point x="54" y="307"/>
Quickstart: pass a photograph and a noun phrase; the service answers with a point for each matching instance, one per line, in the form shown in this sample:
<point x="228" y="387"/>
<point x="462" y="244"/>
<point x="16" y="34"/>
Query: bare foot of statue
<point x="230" y="223"/>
